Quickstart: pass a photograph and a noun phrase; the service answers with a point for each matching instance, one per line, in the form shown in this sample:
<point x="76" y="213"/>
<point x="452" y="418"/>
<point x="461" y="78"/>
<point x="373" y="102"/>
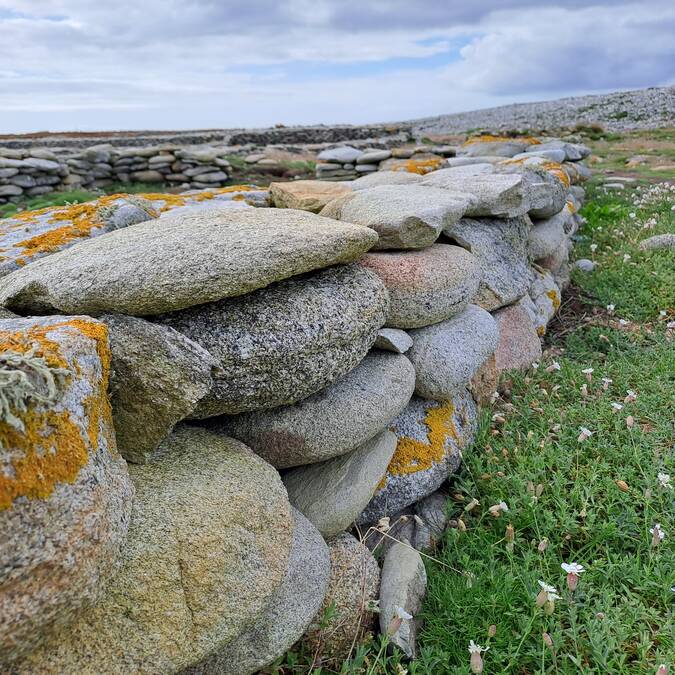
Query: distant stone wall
<point x="32" y="172"/>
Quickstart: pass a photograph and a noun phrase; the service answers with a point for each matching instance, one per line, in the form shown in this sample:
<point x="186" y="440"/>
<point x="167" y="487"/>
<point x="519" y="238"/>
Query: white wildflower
<point x="664" y="480"/>
<point x="584" y="435"/>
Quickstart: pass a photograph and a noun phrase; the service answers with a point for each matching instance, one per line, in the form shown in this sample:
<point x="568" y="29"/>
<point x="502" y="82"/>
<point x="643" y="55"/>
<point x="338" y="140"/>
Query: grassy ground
<point x="591" y="501"/>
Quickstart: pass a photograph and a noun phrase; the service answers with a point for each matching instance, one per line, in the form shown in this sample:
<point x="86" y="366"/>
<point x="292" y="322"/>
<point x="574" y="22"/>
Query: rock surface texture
<point x="65" y="493"/>
<point x="181" y="262"/>
<point x="426" y="286"/>
<point x="404" y="216"/>
<point x="290" y="611"/>
<point x="159" y="375"/>
<point x="279" y="345"/>
<point x="209" y="542"/>
<point x="333" y="494"/>
<point x="332" y="422"/>
<point x="431" y="437"/>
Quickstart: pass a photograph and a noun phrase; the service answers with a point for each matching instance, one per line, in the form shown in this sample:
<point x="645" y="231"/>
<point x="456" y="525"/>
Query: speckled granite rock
<point x="65" y="493"/>
<point x="306" y="195"/>
<point x="448" y="354"/>
<point x="281" y="344"/>
<point x="546" y="236"/>
<point x="658" y="241"/>
<point x="489" y="195"/>
<point x="332" y="422"/>
<point x="519" y="345"/>
<point x="183" y="261"/>
<point x="158" y="377"/>
<point x="209" y="542"/>
<point x="354" y="584"/>
<point x="385" y="178"/>
<point x="501" y="248"/>
<point x="332" y="494"/>
<point x="426" y="286"/>
<point x="543" y="299"/>
<point x="403" y="586"/>
<point x="289" y="613"/>
<point x="431" y="438"/>
<point x="404" y="216"/>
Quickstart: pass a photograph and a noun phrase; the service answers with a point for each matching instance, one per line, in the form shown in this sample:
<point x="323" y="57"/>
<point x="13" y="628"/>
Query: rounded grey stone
<point x="585" y="265"/>
<point x="332" y="494"/>
<point x="501" y="248"/>
<point x="431" y="438"/>
<point x="448" y="354"/>
<point x="284" y="343"/>
<point x="333" y="421"/>
<point x="404" y="216"/>
<point x="289" y="613"/>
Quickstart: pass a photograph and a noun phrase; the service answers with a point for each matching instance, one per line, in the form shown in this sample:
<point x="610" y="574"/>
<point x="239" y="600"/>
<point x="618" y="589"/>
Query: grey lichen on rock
<point x="209" y="542"/>
<point x="158" y="377"/>
<point x="183" y="260"/>
<point x="281" y="344"/>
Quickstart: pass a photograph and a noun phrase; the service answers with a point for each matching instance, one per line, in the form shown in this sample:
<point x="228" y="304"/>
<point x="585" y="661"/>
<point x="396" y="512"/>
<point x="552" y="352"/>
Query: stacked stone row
<point x="348" y="163"/>
<point x="28" y="173"/>
<point x="286" y="391"/>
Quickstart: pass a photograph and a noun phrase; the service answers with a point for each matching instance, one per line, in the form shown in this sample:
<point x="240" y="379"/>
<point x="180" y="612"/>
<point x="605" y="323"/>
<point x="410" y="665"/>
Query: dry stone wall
<point x="32" y="172"/>
<point x="266" y="396"/>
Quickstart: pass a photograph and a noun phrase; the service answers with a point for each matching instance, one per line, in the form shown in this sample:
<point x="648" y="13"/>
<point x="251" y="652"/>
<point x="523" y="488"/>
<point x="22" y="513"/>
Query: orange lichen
<point x="52" y="448"/>
<point x="81" y="219"/>
<point x="557" y="170"/>
<point x="53" y="452"/>
<point x="419" y="166"/>
<point x="488" y="138"/>
<point x="541" y="331"/>
<point x="412" y="455"/>
<point x="554" y="298"/>
<point x="571" y="207"/>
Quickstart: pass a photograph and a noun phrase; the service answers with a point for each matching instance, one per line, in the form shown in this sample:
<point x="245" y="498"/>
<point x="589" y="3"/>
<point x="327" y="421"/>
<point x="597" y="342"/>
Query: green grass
<point x="564" y="492"/>
<point x="620" y="618"/>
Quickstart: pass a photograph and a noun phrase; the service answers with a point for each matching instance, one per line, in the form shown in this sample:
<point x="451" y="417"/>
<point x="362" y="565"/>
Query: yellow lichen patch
<point x="554" y="298"/>
<point x="53" y="452"/>
<point x="571" y="207"/>
<point x="541" y="331"/>
<point x="52" y="448"/>
<point x="557" y="170"/>
<point x="412" y="455"/>
<point x="488" y="138"/>
<point x="420" y="166"/>
<point x="81" y="219"/>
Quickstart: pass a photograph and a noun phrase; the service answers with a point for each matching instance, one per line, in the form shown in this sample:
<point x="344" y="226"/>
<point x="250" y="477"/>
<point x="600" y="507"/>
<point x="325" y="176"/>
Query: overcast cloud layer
<point x="182" y="64"/>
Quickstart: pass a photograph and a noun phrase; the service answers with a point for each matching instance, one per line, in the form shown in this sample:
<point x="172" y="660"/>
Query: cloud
<point x="213" y="63"/>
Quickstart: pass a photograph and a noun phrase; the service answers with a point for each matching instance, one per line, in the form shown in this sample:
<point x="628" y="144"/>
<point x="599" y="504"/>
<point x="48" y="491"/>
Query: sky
<point x="197" y="64"/>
